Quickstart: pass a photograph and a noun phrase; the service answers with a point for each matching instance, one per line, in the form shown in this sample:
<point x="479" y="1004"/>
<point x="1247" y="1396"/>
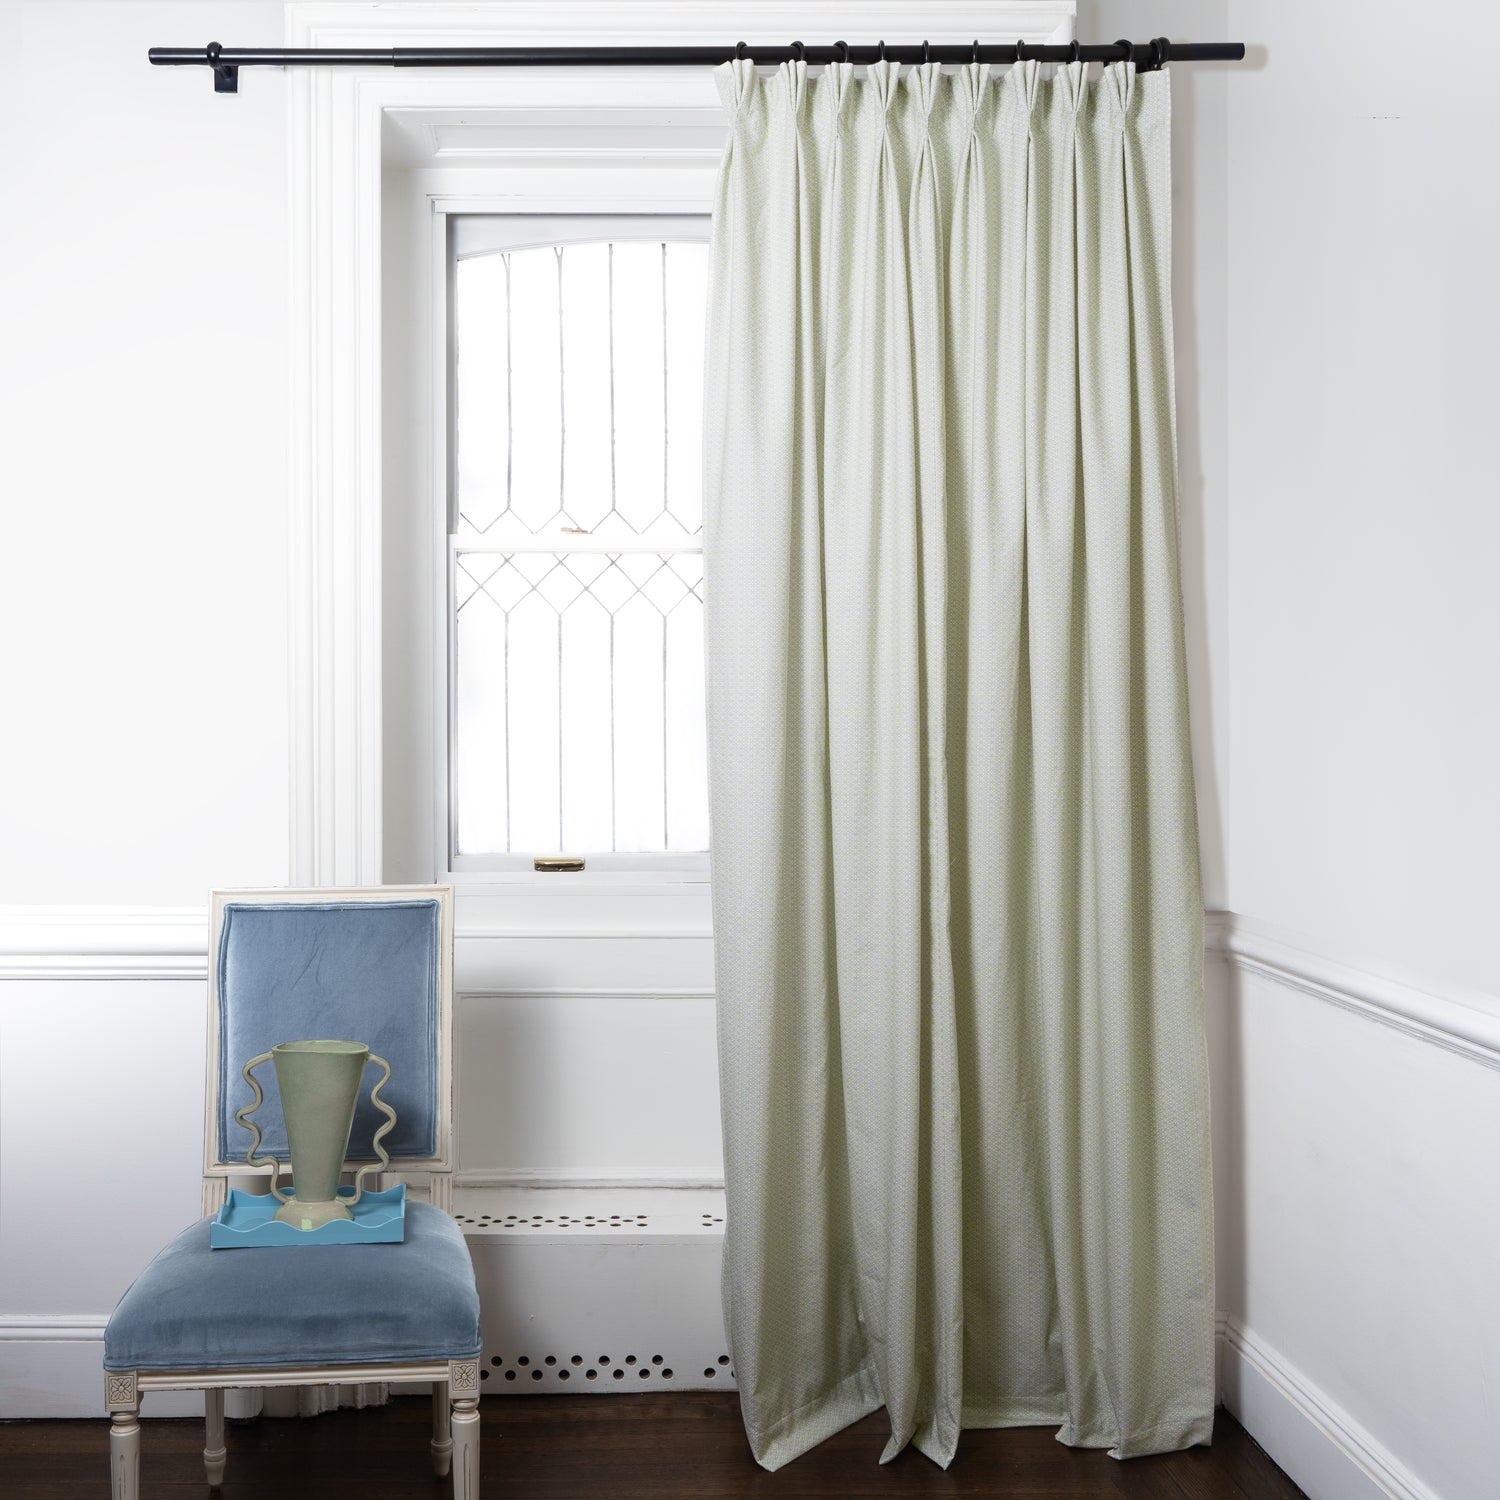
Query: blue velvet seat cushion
<point x="202" y="1309"/>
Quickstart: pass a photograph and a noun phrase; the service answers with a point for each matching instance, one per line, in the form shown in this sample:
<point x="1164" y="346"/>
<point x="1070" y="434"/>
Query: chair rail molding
<point x="337" y="142"/>
<point x="170" y="942"/>
<point x="1463" y="1022"/>
<point x="52" y="1328"/>
<point x="100" y="942"/>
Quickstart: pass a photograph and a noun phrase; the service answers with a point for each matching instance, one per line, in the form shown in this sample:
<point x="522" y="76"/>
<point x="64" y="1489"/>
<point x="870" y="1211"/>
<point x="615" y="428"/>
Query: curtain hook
<point x="1129" y="49"/>
<point x="799" y="52"/>
<point x="843" y="51"/>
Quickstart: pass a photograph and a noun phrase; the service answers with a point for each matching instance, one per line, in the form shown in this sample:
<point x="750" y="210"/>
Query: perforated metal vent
<point x="525" y="1371"/>
<point x="594" y="1289"/>
<point x="588" y="1221"/>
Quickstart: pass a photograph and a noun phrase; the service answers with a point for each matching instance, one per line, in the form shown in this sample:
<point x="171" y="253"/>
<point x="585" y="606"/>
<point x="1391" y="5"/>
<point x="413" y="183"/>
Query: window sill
<point x="574" y="882"/>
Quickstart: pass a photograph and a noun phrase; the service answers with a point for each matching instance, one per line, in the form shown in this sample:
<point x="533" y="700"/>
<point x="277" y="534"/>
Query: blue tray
<point x="247" y="1219"/>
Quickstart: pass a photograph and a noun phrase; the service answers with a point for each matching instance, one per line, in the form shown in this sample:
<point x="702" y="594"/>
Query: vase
<point x="319" y="1083"/>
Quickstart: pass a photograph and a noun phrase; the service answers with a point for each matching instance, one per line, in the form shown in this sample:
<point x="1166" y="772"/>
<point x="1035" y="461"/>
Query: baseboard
<point x="50" y="1366"/>
<point x="55" y="1368"/>
<point x="1324" y="1450"/>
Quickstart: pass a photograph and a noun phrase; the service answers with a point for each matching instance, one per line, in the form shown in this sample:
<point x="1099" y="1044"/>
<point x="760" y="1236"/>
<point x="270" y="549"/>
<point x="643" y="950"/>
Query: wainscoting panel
<point x="1355" y="1122"/>
<point x="588" y="1087"/>
<point x="1359" y="1216"/>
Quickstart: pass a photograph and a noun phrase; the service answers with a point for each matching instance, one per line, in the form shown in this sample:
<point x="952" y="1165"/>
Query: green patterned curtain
<point x="955" y="864"/>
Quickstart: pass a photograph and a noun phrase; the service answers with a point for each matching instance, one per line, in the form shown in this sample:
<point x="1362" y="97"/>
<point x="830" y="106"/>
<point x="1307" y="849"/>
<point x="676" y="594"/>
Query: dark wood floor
<point x="613" y="1448"/>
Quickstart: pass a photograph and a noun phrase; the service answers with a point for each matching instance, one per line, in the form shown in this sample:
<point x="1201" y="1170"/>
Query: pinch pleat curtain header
<point x="965" y="131"/>
<point x="958" y="923"/>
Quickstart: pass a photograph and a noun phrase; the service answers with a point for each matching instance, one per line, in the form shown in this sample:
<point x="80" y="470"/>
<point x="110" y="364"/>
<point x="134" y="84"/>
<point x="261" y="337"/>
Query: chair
<point x="373" y="965"/>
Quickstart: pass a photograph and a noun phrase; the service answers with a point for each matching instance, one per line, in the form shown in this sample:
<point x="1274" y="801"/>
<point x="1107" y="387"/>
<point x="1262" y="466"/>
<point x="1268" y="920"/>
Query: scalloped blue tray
<point x="248" y="1219"/>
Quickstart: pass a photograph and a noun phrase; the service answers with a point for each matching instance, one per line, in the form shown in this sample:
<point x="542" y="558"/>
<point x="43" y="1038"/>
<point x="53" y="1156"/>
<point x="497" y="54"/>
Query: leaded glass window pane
<point x="577" y="553"/>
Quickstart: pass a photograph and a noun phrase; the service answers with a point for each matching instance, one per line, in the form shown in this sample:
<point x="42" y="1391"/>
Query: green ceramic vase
<point x="319" y="1083"/>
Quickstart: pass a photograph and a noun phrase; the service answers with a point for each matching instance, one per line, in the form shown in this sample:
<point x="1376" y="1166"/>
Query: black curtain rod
<point x="226" y="62"/>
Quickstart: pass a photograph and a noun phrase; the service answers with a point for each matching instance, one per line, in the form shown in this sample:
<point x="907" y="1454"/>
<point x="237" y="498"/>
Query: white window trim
<point x="478" y="872"/>
<point x="338" y="136"/>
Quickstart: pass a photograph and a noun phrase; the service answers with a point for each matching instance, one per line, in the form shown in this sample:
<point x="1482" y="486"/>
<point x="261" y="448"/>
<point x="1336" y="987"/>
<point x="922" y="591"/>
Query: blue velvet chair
<point x="373" y="965"/>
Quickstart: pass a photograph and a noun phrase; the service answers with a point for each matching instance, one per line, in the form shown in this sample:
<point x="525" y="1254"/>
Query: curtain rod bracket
<point x="226" y="75"/>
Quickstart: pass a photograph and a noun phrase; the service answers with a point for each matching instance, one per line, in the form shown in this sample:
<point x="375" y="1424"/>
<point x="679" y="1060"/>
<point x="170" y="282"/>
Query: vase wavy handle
<point x="380" y="1135"/>
<point x="242" y="1117"/>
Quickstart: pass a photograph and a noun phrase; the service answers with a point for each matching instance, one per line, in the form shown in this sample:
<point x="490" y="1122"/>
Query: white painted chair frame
<point x="455" y="1383"/>
<point x="455" y="1413"/>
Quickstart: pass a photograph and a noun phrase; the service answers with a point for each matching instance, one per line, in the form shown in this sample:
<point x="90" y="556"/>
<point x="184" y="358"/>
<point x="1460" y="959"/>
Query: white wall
<point x="1364" y="312"/>
<point x="1363" y="1224"/>
<point x="143" y="268"/>
<point x="143" y="462"/>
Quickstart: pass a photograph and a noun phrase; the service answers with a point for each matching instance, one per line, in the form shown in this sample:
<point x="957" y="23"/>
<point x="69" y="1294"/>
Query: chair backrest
<point x="370" y="964"/>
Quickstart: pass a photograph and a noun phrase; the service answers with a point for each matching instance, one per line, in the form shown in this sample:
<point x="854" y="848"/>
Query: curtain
<point x="956" y="896"/>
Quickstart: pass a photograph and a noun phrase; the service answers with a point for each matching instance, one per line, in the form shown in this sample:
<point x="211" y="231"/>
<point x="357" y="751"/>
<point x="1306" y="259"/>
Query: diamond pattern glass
<point x="577" y="565"/>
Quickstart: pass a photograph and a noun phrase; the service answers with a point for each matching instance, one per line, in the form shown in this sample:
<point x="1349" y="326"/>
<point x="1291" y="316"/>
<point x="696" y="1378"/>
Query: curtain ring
<point x="880" y="50"/>
<point x="1019" y="45"/>
<point x="926" y="51"/>
<point x="799" y="51"/>
<point x="975" y="56"/>
<point x="1161" y="52"/>
<point x="740" y="51"/>
<point x="1077" y="51"/>
<point x="843" y="51"/>
<point x="1129" y="49"/>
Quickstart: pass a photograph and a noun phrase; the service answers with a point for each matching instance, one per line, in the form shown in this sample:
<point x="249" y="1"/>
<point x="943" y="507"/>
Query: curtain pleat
<point x="957" y="912"/>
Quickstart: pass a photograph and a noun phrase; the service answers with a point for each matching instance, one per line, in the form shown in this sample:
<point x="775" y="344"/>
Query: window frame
<point x="481" y="232"/>
<point x="362" y="800"/>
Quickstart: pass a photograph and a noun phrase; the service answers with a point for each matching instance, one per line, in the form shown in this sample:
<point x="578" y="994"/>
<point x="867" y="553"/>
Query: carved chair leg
<point x="122" y="1400"/>
<point x="125" y="1454"/>
<point x="442" y="1430"/>
<point x="214" y="1452"/>
<point x="463" y="1394"/>
<point x="465" y="1448"/>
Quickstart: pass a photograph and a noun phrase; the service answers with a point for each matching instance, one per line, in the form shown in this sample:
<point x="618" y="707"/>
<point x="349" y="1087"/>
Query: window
<point x="576" y="558"/>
